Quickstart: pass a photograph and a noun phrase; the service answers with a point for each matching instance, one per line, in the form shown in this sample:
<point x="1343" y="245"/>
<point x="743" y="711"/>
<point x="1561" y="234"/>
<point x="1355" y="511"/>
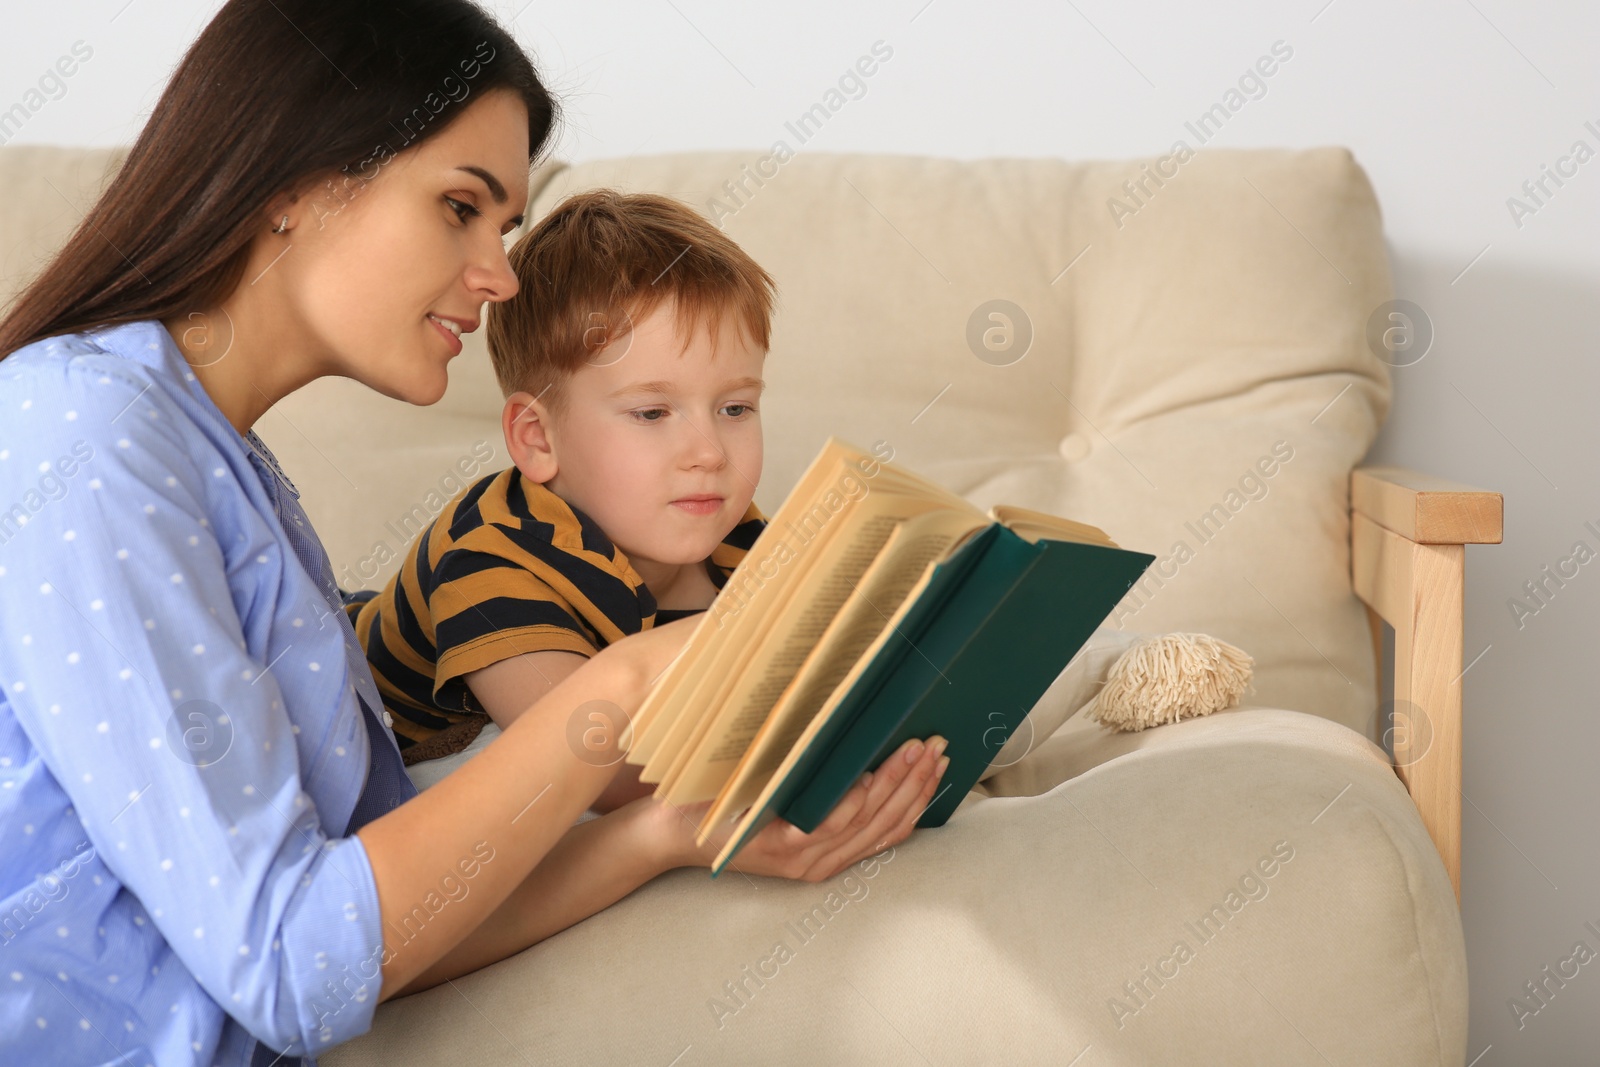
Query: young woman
<point x="213" y="852"/>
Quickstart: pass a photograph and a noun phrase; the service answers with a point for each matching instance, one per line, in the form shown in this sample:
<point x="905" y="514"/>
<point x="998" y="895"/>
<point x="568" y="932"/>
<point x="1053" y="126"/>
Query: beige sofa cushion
<point x="1170" y="354"/>
<point x="48" y="189"/>
<point x="1006" y="935"/>
<point x="1179" y="348"/>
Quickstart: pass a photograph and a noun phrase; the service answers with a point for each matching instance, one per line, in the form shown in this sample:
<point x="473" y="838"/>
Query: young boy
<point x="631" y="362"/>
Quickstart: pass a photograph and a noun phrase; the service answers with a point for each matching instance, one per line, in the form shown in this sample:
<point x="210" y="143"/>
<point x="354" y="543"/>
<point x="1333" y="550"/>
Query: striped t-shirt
<point x="507" y="567"/>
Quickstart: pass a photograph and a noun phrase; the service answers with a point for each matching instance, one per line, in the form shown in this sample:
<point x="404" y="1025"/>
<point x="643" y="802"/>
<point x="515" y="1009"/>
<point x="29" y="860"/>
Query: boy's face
<point x="644" y="430"/>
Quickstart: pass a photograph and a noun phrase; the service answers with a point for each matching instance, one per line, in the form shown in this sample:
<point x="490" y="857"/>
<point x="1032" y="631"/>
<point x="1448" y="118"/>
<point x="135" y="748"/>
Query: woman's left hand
<point x="879" y="810"/>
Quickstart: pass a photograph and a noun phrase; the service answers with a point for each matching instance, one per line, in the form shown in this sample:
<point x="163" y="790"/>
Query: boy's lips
<point x="699" y="503"/>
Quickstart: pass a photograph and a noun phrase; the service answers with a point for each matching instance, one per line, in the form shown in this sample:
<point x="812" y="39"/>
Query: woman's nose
<point x="493" y="279"/>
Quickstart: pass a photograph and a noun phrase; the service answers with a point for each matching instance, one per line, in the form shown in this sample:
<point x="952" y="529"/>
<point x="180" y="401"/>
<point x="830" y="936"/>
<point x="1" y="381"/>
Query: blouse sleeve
<point x="125" y="663"/>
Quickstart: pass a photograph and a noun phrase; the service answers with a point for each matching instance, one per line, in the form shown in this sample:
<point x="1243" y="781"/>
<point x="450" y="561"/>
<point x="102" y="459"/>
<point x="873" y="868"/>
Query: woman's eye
<point x="463" y="210"/>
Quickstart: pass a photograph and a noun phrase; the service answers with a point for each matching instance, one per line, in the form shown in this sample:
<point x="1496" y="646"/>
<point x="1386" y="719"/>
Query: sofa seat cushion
<point x="1013" y="932"/>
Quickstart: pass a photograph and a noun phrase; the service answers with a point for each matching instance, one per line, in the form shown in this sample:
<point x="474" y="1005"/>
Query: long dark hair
<point x="272" y="96"/>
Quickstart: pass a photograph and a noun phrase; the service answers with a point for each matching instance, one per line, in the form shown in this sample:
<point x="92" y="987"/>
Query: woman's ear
<point x="525" y="423"/>
<point x="283" y="213"/>
<point x="312" y="202"/>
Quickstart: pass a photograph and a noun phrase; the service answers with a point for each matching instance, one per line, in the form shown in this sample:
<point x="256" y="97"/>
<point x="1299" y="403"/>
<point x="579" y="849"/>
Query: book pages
<point x="749" y="693"/>
<point x="879" y="594"/>
<point x="1036" y="526"/>
<point x="817" y="721"/>
<point x="648" y="725"/>
<point x="843" y="486"/>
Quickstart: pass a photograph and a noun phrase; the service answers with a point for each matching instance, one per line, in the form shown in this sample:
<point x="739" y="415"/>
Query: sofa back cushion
<point x="1173" y="349"/>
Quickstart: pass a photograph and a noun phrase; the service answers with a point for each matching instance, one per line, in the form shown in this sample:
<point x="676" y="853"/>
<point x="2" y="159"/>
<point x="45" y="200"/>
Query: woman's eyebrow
<point x="496" y="190"/>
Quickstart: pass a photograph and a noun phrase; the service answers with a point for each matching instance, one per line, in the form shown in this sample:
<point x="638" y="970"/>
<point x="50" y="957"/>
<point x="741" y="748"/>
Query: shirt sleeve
<point x="486" y="608"/>
<point x="125" y="662"/>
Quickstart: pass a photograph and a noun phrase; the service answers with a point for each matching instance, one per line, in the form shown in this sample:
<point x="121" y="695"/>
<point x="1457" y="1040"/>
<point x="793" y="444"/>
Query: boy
<point x="631" y="361"/>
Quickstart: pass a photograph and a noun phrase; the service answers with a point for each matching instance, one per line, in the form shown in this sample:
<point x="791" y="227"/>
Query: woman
<point x="214" y="855"/>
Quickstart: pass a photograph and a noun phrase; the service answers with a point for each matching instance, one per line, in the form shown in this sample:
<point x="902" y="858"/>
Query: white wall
<point x="1450" y="107"/>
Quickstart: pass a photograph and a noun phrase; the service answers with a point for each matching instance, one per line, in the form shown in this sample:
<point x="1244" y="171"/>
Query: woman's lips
<point x="451" y="339"/>
<point x="702" y="506"/>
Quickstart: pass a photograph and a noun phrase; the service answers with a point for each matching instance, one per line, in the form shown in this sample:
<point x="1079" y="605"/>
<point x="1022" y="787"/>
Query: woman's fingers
<point x="863" y="799"/>
<point x="853" y="807"/>
<point x="863" y="802"/>
<point x="930" y="790"/>
<point x="879" y="810"/>
<point x="896" y="799"/>
<point x="898" y="816"/>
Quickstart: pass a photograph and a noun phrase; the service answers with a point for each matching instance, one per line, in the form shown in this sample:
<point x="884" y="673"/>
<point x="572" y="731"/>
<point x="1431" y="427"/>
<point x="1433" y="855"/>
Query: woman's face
<point x="383" y="265"/>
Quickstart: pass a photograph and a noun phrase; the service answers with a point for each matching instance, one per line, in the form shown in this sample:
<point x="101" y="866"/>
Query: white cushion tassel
<point x="1166" y="677"/>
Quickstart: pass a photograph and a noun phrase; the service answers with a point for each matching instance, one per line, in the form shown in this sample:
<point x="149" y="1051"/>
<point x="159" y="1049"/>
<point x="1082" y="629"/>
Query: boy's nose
<point x="702" y="446"/>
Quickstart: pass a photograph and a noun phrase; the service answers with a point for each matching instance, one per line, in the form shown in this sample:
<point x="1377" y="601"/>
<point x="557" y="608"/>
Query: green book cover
<point x="994" y="627"/>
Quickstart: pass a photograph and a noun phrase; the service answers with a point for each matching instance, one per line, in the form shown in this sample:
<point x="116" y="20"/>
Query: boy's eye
<point x="644" y="415"/>
<point x="463" y="210"/>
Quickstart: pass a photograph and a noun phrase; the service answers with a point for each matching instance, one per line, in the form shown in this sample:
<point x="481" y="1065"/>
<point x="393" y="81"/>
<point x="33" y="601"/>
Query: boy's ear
<point x="525" y="424"/>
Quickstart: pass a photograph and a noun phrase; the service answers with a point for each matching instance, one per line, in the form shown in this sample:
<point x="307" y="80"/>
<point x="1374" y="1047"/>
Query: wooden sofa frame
<point x="1408" y="538"/>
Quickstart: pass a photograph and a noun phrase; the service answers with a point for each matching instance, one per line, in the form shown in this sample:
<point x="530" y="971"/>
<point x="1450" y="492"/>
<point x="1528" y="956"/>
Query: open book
<point x="875" y="606"/>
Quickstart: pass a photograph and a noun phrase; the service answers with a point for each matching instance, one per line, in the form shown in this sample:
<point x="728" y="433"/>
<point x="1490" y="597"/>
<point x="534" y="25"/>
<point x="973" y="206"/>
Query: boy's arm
<point x="508" y="688"/>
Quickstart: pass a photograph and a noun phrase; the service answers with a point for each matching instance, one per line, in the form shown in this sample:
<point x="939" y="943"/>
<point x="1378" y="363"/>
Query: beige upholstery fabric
<point x="1004" y="936"/>
<point x="47" y="191"/>
<point x="1227" y="315"/>
<point x="1220" y="319"/>
<point x="1169" y="355"/>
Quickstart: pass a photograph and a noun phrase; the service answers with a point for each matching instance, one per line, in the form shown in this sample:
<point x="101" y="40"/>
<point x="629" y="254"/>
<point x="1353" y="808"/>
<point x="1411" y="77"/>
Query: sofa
<point x="1180" y="352"/>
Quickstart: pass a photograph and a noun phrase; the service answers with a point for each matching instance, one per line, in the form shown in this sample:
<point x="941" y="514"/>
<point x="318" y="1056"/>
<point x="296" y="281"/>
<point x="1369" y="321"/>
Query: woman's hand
<point x="879" y="810"/>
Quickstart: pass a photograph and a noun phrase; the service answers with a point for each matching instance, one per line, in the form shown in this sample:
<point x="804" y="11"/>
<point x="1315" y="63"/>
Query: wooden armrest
<point x="1425" y="509"/>
<point x="1408" y="533"/>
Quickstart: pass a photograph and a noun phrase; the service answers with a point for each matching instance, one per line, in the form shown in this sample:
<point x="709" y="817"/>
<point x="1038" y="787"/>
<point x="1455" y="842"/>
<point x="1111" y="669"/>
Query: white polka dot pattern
<point x="172" y="641"/>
